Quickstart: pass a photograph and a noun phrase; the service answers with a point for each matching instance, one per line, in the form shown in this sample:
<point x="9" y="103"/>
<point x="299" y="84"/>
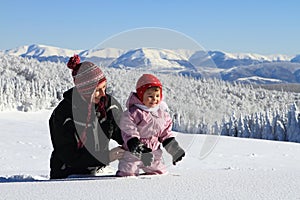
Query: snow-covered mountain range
<point x="240" y="67"/>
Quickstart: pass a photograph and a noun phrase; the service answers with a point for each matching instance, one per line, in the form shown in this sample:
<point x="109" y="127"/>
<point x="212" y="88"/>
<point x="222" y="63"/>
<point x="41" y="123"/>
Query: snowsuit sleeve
<point x="167" y="132"/>
<point x="128" y="124"/>
<point x="63" y="136"/>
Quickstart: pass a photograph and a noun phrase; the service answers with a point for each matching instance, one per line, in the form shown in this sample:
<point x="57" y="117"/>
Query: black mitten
<point x="173" y="148"/>
<point x="140" y="150"/>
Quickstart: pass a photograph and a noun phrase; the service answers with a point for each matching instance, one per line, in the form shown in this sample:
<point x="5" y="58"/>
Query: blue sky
<point x="257" y="26"/>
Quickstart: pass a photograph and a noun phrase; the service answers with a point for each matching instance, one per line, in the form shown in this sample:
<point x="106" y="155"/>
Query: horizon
<point x="265" y="28"/>
<point x="127" y="49"/>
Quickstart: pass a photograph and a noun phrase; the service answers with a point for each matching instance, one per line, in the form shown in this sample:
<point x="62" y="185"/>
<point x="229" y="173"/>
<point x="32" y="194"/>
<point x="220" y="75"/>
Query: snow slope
<point x="234" y="169"/>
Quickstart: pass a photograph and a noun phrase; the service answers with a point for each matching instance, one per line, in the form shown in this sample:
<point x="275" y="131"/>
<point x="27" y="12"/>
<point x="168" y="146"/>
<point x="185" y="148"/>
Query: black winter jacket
<point x="66" y="124"/>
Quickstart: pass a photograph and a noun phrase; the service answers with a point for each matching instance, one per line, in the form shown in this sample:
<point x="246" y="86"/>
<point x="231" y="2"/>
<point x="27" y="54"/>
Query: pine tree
<point x="267" y="132"/>
<point x="240" y="127"/>
<point x="247" y="131"/>
<point x="293" y="128"/>
<point x="279" y="131"/>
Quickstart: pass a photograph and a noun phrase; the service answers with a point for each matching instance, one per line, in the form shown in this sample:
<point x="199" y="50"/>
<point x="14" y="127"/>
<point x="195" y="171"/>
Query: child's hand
<point x="173" y="148"/>
<point x="178" y="155"/>
<point x="140" y="150"/>
<point x="147" y="156"/>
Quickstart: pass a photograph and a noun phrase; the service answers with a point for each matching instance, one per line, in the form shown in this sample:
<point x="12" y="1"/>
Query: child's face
<point x="151" y="97"/>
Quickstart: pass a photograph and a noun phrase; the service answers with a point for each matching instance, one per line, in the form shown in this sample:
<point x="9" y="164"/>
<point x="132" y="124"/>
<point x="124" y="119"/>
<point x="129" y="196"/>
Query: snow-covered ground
<point x="234" y="169"/>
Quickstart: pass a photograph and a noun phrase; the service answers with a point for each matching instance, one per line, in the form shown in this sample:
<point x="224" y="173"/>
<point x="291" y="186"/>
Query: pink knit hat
<point x="86" y="76"/>
<point x="146" y="81"/>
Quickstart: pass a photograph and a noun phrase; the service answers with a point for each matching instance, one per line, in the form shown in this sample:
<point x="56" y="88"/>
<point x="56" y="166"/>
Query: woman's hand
<point x="116" y="154"/>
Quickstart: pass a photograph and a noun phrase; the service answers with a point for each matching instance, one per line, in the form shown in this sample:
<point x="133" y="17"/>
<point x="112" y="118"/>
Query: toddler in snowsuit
<point x="145" y="125"/>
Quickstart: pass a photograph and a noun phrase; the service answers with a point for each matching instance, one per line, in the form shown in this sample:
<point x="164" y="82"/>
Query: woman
<point x="83" y="123"/>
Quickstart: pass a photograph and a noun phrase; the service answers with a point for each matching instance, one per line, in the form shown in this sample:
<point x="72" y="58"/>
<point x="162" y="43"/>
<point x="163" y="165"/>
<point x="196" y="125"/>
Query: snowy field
<point x="235" y="168"/>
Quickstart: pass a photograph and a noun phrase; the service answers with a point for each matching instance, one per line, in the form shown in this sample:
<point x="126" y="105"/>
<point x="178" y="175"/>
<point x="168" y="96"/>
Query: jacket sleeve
<point x="116" y="116"/>
<point x="128" y="124"/>
<point x="63" y="136"/>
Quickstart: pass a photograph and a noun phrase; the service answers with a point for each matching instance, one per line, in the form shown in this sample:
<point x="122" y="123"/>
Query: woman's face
<point x="99" y="92"/>
<point x="151" y="97"/>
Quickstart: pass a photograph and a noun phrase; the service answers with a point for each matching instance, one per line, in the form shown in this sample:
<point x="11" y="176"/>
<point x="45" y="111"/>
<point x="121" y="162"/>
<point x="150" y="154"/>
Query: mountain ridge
<point x="240" y="67"/>
<point x="28" y="49"/>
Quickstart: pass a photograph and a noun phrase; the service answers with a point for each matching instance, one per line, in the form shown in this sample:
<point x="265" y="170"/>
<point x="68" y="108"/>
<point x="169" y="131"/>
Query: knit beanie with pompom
<point x="86" y="76"/>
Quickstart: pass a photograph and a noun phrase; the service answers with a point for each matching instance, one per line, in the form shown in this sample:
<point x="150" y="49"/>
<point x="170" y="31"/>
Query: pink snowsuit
<point x="152" y="126"/>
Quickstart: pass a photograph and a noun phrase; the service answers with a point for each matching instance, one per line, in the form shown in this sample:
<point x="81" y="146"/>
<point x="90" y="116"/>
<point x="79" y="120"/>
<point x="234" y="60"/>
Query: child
<point x="144" y="125"/>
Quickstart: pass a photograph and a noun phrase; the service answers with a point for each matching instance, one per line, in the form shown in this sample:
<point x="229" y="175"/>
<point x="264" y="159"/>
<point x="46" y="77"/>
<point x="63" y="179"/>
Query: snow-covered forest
<point x="200" y="106"/>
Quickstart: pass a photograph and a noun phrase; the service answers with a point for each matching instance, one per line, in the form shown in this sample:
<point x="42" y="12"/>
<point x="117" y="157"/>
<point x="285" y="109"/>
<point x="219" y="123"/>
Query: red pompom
<point x="73" y="62"/>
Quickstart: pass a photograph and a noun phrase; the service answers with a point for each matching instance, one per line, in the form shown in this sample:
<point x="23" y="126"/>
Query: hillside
<point x="196" y="105"/>
<point x="233" y="168"/>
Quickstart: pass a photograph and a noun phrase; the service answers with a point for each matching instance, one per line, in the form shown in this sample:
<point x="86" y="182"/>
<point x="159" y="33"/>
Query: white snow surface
<point x="235" y="168"/>
<point x="257" y="78"/>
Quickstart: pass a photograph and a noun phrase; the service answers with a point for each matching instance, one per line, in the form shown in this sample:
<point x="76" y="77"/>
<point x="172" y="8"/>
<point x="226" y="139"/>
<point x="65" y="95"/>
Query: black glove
<point x="173" y="148"/>
<point x="140" y="150"/>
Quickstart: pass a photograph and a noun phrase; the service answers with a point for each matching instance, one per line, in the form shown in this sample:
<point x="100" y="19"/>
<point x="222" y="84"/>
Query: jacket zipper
<point x="96" y="138"/>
